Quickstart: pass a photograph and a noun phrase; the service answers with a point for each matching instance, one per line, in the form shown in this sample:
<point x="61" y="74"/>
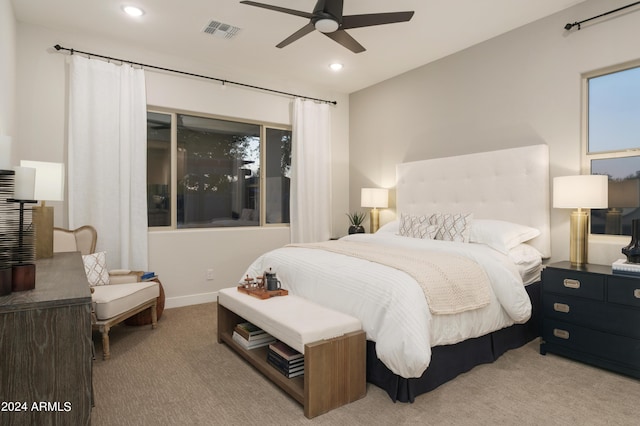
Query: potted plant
<point x="356" y="219"/>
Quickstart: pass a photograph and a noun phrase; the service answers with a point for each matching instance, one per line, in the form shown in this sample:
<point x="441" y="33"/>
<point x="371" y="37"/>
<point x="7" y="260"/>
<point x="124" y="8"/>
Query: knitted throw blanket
<point x="451" y="283"/>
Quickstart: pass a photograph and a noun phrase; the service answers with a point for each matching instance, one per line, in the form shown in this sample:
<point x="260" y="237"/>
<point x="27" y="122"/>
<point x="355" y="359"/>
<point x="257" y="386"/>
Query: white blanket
<point x="451" y="283"/>
<point x="390" y="304"/>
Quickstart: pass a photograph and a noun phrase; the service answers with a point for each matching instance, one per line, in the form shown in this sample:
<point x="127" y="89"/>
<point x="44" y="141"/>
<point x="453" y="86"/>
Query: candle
<point x="5" y="152"/>
<point x="25" y="183"/>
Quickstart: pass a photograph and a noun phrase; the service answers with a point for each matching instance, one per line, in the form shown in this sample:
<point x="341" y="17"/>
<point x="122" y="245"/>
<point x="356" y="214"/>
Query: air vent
<point x="221" y="30"/>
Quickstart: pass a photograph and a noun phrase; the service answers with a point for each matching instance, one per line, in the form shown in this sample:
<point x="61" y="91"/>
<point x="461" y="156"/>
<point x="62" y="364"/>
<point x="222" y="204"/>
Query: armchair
<point x="119" y="299"/>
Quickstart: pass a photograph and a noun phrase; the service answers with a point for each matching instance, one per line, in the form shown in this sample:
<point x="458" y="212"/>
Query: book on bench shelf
<point x="250" y="336"/>
<point x="285" y="359"/>
<point x="249" y="331"/>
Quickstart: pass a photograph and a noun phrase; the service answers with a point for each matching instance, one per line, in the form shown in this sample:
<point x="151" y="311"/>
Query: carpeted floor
<point x="179" y="375"/>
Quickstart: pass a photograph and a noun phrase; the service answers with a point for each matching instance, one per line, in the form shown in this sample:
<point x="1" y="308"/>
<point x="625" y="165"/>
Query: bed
<point x="495" y="206"/>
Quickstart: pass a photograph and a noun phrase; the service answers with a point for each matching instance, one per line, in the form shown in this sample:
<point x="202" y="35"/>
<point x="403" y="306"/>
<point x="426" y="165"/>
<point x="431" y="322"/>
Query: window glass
<point x="612" y="141"/>
<point x="159" y="169"/>
<point x="614" y="111"/>
<point x="207" y="172"/>
<point x="624" y="195"/>
<point x="218" y="167"/>
<point x="278" y="175"/>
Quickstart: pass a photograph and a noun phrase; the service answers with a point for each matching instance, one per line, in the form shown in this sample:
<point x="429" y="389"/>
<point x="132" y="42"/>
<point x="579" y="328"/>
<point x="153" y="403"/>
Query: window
<point x="218" y="180"/>
<point x="612" y="146"/>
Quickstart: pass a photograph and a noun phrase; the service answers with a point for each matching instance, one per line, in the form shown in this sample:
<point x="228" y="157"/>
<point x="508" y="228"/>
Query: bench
<point x="333" y="345"/>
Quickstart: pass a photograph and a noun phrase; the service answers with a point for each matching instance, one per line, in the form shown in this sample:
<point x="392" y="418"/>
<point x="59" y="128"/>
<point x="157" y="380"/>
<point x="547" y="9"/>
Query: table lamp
<point x="49" y="186"/>
<point x="580" y="192"/>
<point x="375" y="198"/>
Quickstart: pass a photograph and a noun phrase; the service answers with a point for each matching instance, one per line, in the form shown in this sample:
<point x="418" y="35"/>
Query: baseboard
<point x="192" y="299"/>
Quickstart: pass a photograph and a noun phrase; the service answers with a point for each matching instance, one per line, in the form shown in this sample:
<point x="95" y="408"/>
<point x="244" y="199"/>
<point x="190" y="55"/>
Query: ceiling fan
<point x="328" y="19"/>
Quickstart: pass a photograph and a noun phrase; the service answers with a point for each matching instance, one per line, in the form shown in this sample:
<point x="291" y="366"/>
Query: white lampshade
<point x="582" y="191"/>
<point x="374" y="197"/>
<point x="25" y="180"/>
<point x="49" y="180"/>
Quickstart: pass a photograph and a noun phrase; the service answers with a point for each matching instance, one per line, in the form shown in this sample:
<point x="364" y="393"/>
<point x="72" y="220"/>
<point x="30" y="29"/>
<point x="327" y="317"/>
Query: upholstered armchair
<point x="116" y="294"/>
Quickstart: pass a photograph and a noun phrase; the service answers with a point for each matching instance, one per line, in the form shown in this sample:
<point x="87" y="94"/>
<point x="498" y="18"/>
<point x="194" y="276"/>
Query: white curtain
<point x="310" y="206"/>
<point x="107" y="158"/>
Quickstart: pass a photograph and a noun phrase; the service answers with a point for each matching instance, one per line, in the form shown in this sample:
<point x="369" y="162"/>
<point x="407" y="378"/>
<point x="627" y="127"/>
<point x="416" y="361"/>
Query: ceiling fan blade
<point x="346" y="40"/>
<point x="297" y="35"/>
<point x="279" y="9"/>
<point x="370" y="19"/>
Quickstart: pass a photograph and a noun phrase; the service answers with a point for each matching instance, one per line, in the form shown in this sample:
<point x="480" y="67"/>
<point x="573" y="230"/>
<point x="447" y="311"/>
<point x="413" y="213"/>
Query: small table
<point x="144" y="317"/>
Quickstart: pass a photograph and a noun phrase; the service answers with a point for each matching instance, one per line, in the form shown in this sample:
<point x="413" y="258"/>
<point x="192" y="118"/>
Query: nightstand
<point x="592" y="315"/>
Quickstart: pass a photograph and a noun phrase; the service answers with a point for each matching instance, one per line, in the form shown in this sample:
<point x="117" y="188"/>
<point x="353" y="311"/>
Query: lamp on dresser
<point x="580" y="192"/>
<point x="374" y="198"/>
<point x="49" y="186"/>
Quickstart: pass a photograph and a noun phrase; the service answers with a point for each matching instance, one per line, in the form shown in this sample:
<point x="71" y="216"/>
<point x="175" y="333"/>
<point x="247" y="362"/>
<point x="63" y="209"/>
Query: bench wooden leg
<point x="334" y="373"/>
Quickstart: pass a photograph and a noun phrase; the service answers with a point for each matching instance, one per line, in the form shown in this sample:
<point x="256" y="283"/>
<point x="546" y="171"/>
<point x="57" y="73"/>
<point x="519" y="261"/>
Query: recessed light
<point x="133" y="11"/>
<point x="336" y="66"/>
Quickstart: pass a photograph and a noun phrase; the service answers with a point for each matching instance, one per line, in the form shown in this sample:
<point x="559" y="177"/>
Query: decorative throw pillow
<point x="95" y="266"/>
<point x="452" y="227"/>
<point x="417" y="226"/>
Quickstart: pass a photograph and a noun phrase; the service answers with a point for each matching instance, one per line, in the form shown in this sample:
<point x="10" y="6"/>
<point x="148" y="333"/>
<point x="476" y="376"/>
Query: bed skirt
<point x="449" y="361"/>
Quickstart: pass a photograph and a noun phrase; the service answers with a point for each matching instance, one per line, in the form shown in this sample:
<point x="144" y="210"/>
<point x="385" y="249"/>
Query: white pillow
<point x="500" y="235"/>
<point x="95" y="266"/>
<point x="452" y="226"/>
<point x="393" y="227"/>
<point x="524" y="254"/>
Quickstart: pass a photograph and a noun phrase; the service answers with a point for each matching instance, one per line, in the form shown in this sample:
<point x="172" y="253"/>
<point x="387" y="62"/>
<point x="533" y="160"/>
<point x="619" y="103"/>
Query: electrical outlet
<point x="209" y="274"/>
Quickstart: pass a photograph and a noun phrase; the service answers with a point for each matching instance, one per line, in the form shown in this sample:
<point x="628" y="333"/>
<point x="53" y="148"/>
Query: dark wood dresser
<point x="592" y="315"/>
<point x="46" y="347"/>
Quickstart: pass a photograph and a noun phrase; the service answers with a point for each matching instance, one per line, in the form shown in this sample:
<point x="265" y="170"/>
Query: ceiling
<point x="438" y="28"/>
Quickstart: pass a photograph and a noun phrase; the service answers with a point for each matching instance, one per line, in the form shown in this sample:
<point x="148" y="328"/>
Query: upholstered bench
<point x="333" y="345"/>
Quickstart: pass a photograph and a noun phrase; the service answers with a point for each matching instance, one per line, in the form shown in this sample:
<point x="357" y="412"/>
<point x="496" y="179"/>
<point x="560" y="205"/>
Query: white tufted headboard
<point x="510" y="184"/>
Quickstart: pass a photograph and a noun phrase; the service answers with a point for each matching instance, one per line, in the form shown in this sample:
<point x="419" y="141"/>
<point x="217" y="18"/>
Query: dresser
<point x="592" y="315"/>
<point x="46" y="347"/>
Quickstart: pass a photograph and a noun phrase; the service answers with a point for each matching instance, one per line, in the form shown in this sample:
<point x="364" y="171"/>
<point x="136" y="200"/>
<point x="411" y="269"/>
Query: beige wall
<point x="7" y="69"/>
<point x="180" y="257"/>
<point x="520" y="88"/>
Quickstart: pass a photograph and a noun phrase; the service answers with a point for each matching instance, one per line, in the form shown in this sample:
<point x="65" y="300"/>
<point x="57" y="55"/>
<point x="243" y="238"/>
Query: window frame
<point x="173" y="184"/>
<point x="586" y="156"/>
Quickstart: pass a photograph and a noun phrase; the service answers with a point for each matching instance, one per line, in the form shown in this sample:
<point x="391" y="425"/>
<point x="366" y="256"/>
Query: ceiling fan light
<point x="326" y="25"/>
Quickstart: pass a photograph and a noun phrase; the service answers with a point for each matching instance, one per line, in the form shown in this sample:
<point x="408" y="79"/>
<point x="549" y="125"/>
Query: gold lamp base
<point x="43" y="224"/>
<point x="579" y="237"/>
<point x="374" y="220"/>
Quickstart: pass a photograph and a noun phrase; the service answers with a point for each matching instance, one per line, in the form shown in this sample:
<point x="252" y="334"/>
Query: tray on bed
<point x="262" y="293"/>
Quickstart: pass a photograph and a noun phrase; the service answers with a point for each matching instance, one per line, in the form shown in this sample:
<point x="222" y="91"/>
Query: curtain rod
<point x="577" y="24"/>
<point x="223" y="81"/>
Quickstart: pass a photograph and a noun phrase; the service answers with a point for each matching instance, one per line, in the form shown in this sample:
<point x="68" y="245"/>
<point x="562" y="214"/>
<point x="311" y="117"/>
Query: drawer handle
<point x="561" y="307"/>
<point x="563" y="334"/>
<point x="636" y="293"/>
<point x="569" y="283"/>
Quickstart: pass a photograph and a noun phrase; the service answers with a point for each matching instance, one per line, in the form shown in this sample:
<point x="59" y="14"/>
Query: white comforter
<point x="390" y="304"/>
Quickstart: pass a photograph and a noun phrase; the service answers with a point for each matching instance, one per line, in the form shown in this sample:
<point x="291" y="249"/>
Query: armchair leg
<point x="154" y="314"/>
<point x="106" y="353"/>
